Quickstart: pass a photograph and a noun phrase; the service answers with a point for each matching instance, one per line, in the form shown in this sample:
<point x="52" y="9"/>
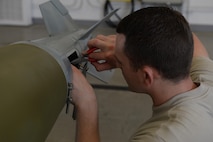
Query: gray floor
<point x="120" y="112"/>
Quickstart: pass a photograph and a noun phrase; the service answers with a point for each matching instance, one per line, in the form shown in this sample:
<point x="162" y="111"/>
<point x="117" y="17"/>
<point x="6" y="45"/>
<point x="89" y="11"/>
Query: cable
<point x="110" y="87"/>
<point x="108" y="6"/>
<point x="133" y="6"/>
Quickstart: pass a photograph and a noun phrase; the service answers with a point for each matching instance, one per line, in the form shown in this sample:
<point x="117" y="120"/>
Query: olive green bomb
<point x="33" y="91"/>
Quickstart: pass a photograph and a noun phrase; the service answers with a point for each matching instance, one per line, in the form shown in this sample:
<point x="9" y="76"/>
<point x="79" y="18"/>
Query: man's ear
<point x="147" y="75"/>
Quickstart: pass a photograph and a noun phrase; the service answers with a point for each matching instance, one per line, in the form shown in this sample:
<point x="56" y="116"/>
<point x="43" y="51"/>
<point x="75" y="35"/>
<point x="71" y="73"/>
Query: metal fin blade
<point x="56" y="18"/>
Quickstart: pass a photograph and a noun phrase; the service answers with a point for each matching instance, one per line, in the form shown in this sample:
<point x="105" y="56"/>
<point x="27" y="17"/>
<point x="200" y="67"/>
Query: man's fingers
<point x="101" y="66"/>
<point x="109" y="38"/>
<point x="97" y="55"/>
<point x="102" y="42"/>
<point x="98" y="44"/>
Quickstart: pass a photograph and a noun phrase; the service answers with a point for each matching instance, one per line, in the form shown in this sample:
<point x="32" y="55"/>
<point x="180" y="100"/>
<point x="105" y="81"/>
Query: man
<point x="154" y="50"/>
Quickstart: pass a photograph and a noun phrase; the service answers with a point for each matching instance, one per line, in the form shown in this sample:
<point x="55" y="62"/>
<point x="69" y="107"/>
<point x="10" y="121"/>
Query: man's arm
<point x="199" y="49"/>
<point x="202" y="68"/>
<point x="86" y="108"/>
<point x="83" y="94"/>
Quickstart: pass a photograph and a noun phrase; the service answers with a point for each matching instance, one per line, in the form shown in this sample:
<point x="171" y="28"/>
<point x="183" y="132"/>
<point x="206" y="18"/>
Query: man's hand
<point x="105" y="58"/>
<point x="85" y="102"/>
<point x="82" y="92"/>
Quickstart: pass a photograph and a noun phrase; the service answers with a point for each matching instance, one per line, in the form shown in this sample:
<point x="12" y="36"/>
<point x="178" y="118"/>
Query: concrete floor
<point x="120" y="111"/>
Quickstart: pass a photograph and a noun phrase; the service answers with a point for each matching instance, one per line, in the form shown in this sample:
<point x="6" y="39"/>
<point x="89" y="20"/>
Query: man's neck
<point x="165" y="90"/>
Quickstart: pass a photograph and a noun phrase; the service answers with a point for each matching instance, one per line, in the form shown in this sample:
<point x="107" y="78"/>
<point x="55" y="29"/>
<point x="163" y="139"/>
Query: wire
<point x="133" y="6"/>
<point x="108" y="7"/>
<point x="110" y="87"/>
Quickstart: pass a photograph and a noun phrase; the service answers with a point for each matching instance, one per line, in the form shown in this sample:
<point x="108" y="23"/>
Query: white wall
<point x="79" y="9"/>
<point x="198" y="12"/>
<point x="15" y="12"/>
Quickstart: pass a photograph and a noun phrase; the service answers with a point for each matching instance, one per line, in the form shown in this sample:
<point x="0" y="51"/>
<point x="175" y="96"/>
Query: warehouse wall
<point x="198" y="12"/>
